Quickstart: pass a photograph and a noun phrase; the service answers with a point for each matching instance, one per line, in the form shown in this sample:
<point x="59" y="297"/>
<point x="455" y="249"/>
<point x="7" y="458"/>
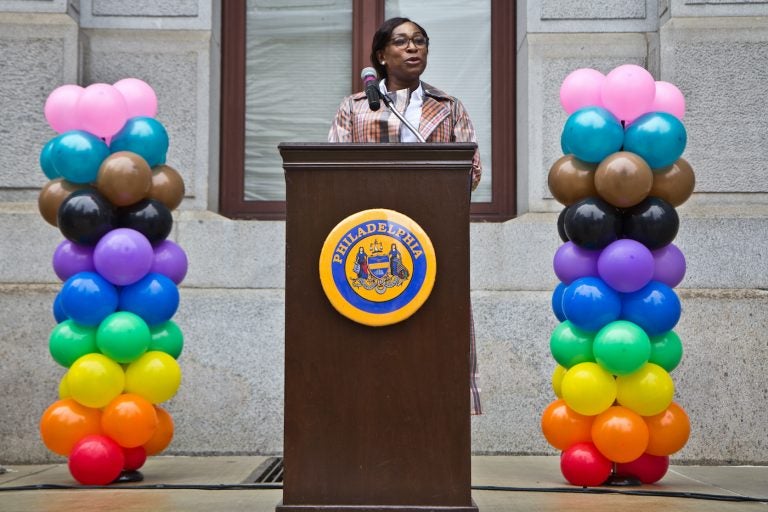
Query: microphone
<point x="369" y="76"/>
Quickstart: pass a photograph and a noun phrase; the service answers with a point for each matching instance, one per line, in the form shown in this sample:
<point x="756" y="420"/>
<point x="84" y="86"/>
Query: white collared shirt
<point x="412" y="112"/>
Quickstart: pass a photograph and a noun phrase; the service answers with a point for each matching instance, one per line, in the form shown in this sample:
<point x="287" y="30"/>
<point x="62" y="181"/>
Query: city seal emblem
<point x="377" y="267"/>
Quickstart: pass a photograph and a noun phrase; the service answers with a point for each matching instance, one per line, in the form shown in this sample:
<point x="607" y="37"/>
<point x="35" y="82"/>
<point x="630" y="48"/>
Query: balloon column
<point x="111" y="194"/>
<point x="620" y="180"/>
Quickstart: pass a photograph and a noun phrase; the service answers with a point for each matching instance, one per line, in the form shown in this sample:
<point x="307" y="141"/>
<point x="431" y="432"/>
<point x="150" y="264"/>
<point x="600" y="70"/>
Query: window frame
<point x="367" y="15"/>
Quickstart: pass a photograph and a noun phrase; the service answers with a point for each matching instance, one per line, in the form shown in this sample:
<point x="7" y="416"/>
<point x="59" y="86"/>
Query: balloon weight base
<point x="621" y="481"/>
<point x="129" y="477"/>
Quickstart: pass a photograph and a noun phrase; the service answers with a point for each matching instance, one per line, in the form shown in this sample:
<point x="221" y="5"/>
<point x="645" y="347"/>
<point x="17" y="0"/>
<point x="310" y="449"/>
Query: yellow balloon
<point x="588" y="389"/>
<point x="64" y="388"/>
<point x="557" y="380"/>
<point x="155" y="376"/>
<point x="94" y="380"/>
<point x="648" y="391"/>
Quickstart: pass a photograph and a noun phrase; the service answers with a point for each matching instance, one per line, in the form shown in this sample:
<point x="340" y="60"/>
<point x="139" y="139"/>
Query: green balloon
<point x="621" y="347"/>
<point x="123" y="337"/>
<point x="571" y="345"/>
<point x="666" y="350"/>
<point x="167" y="337"/>
<point x="69" y="341"/>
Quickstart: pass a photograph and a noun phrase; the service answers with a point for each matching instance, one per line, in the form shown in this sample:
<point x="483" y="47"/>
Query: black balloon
<point x="85" y="216"/>
<point x="592" y="223"/>
<point x="653" y="223"/>
<point x="149" y="217"/>
<point x="561" y="225"/>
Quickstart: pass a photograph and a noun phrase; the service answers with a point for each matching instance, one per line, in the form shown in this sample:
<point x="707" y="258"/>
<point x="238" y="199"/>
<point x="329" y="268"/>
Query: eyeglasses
<point x="401" y="42"/>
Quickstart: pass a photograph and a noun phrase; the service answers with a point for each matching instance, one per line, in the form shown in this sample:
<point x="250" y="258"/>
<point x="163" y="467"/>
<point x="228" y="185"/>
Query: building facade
<point x="509" y="60"/>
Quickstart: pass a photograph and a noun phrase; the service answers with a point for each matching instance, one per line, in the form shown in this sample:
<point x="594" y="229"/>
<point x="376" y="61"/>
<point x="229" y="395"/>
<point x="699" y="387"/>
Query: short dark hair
<point x="382" y="36"/>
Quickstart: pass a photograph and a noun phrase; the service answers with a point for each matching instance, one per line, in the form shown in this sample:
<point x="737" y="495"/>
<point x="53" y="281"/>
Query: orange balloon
<point x="66" y="422"/>
<point x="130" y="420"/>
<point x="563" y="427"/>
<point x="163" y="433"/>
<point x="620" y="434"/>
<point x="570" y="180"/>
<point x="668" y="431"/>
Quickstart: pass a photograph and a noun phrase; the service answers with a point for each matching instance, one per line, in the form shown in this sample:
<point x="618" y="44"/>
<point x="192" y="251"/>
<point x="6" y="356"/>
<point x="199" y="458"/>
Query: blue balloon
<point x="563" y="145"/>
<point x="557" y="301"/>
<point x="658" y="137"/>
<point x="592" y="133"/>
<point x="77" y="155"/>
<point x="58" y="312"/>
<point x="46" y="161"/>
<point x="87" y="298"/>
<point x="590" y="304"/>
<point x="655" y="308"/>
<point x="145" y="136"/>
<point x="155" y="298"/>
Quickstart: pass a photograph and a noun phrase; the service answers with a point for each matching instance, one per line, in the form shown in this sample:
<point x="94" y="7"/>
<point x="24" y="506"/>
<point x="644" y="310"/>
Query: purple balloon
<point x="170" y="260"/>
<point x="70" y="258"/>
<point x="572" y="262"/>
<point x="626" y="265"/>
<point x="669" y="265"/>
<point x="123" y="256"/>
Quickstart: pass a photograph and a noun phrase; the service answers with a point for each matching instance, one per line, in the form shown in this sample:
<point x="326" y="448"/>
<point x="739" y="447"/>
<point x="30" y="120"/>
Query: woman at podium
<point x="399" y="55"/>
<point x="424" y="113"/>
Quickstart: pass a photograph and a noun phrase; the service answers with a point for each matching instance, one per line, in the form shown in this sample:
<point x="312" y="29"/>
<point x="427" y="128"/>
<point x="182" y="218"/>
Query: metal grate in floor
<point x="269" y="472"/>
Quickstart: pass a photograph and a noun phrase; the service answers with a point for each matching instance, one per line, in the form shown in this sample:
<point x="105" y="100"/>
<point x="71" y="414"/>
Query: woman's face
<point x="404" y="63"/>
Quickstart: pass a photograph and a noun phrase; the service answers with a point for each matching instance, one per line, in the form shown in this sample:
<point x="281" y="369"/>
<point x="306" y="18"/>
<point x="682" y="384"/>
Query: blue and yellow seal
<point x="377" y="267"/>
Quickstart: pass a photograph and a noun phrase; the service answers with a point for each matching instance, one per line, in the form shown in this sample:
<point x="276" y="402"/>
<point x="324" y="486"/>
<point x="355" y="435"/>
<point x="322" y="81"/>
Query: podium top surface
<point x="431" y="154"/>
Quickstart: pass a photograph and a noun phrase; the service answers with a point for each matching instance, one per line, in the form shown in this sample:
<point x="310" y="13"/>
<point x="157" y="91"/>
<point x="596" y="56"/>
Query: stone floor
<point x="531" y="479"/>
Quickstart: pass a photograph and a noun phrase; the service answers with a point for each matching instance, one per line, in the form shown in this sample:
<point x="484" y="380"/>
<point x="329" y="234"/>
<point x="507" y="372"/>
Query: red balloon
<point x="134" y="458"/>
<point x="96" y="460"/>
<point x="646" y="468"/>
<point x="583" y="464"/>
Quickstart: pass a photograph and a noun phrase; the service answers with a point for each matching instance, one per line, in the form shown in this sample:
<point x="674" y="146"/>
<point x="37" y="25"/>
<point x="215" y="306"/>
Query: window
<point x="287" y="64"/>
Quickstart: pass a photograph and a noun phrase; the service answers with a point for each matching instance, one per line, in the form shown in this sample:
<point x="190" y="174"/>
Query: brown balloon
<point x="571" y="180"/>
<point x="623" y="179"/>
<point x="124" y="178"/>
<point x="52" y="195"/>
<point x="675" y="183"/>
<point x="167" y="186"/>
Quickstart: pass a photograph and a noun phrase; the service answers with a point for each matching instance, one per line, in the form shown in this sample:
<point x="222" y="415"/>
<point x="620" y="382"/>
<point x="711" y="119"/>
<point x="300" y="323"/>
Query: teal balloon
<point x="621" y="347"/>
<point x="77" y="155"/>
<point x="168" y="338"/>
<point x="69" y="341"/>
<point x="123" y="337"/>
<point x="145" y="136"/>
<point x="570" y="345"/>
<point x="658" y="137"/>
<point x="666" y="350"/>
<point x="591" y="134"/>
<point x="46" y="160"/>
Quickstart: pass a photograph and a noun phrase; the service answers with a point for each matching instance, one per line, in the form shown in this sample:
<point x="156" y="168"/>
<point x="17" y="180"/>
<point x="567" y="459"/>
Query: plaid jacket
<point x="443" y="119"/>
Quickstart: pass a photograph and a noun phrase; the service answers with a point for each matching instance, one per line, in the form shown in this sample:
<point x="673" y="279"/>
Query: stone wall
<point x="231" y="309"/>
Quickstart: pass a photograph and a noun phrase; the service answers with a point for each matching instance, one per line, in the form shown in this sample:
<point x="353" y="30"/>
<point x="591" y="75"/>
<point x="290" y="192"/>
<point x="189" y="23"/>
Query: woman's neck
<point x="394" y="85"/>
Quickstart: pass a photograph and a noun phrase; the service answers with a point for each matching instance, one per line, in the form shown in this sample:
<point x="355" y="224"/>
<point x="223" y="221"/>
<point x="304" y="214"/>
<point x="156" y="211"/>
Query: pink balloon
<point x="60" y="108"/>
<point x="139" y="97"/>
<point x="582" y="88"/>
<point x="101" y="110"/>
<point x="669" y="99"/>
<point x="628" y="92"/>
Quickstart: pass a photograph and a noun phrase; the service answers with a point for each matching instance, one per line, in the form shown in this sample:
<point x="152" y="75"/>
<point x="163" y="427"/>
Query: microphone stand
<point x="388" y="102"/>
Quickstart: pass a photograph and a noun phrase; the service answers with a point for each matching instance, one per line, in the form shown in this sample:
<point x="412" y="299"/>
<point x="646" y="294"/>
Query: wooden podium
<point x="377" y="418"/>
